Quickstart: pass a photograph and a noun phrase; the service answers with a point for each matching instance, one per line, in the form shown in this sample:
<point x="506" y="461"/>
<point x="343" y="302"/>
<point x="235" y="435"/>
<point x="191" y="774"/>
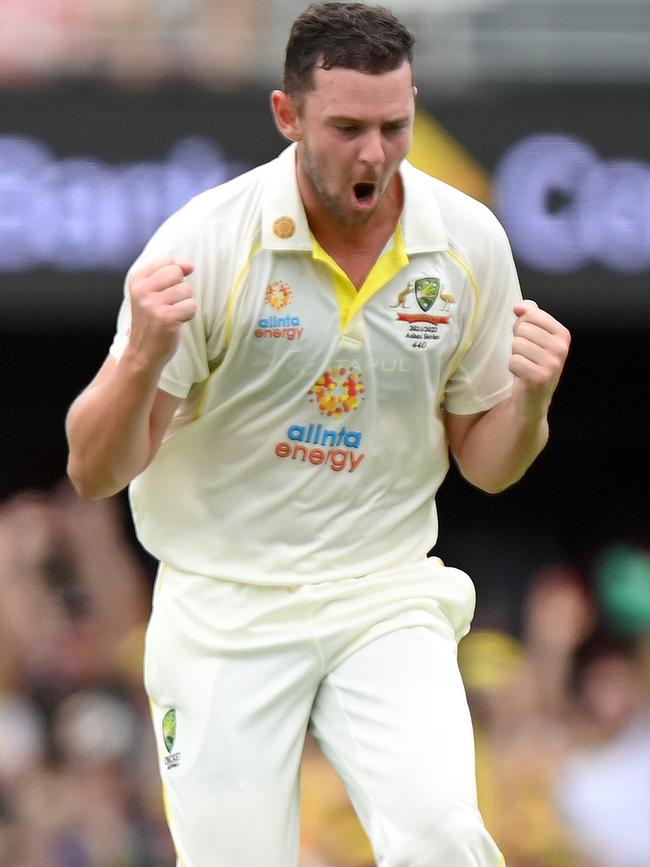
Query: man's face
<point x="355" y="129"/>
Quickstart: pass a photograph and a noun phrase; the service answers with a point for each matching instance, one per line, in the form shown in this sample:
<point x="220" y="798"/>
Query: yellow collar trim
<point x="349" y="300"/>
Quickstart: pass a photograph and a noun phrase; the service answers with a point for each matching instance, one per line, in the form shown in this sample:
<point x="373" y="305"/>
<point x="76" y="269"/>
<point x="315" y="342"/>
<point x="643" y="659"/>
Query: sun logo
<point x="278" y="295"/>
<point x="338" y="391"/>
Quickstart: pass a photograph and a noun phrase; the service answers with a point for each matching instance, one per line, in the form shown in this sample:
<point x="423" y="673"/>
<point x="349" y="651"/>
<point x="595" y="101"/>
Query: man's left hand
<point x="539" y="350"/>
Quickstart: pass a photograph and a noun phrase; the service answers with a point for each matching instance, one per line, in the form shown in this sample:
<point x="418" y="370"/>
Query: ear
<point x="286" y="116"/>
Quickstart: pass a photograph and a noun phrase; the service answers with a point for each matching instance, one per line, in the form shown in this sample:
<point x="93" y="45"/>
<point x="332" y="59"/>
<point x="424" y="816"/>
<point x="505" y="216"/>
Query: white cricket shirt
<point x="309" y="443"/>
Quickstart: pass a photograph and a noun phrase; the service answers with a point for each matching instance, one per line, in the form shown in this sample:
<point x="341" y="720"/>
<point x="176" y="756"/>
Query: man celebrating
<point x="297" y="352"/>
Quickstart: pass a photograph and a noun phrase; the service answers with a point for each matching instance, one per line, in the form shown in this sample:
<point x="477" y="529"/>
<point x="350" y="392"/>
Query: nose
<point x="372" y="148"/>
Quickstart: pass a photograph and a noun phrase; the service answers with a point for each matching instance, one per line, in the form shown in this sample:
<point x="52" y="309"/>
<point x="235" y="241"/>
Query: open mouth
<point x="364" y="193"/>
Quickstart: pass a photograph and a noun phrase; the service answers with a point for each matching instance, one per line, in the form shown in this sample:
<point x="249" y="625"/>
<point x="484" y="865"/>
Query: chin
<point x="362" y="219"/>
<point x="354" y="221"/>
<point x="349" y="219"/>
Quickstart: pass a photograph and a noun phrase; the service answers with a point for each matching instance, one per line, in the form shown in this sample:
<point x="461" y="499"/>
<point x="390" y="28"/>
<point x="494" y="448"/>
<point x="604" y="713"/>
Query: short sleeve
<point x="190" y="363"/>
<point x="482" y="378"/>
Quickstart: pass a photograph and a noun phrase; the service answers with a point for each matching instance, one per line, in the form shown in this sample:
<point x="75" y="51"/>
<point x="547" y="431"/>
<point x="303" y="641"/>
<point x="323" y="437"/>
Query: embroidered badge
<point x="423" y="327"/>
<point x="284" y="227"/>
<point x="426" y="292"/>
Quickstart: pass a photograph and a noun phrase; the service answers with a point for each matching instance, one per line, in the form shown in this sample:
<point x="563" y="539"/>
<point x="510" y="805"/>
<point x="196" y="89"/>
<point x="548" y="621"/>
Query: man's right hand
<point x="161" y="300"/>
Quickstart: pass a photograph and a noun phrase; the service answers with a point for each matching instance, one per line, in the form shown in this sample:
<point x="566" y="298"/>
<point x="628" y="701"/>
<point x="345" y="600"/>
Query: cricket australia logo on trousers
<point x="423" y="327"/>
<point x="169" y="738"/>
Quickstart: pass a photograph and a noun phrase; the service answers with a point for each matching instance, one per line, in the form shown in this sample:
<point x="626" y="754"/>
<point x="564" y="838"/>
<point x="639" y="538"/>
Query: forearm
<point x="116" y="425"/>
<point x="109" y="429"/>
<point x="499" y="448"/>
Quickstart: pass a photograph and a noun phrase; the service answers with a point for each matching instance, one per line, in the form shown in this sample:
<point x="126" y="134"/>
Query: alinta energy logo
<point x="337" y="392"/>
<point x="279" y="295"/>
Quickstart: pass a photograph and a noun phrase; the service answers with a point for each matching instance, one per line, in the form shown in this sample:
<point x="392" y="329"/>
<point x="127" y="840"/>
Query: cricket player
<point x="298" y="353"/>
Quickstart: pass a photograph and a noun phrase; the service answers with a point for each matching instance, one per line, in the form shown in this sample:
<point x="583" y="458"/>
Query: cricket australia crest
<point x="169" y="738"/>
<point x="426" y="292"/>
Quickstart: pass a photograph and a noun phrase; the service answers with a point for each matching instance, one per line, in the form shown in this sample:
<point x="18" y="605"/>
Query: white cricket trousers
<point x="236" y="674"/>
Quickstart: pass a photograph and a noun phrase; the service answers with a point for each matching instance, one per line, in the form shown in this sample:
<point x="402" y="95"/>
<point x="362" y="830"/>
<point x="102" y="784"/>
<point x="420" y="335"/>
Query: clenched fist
<point x="539" y="350"/>
<point x="161" y="300"/>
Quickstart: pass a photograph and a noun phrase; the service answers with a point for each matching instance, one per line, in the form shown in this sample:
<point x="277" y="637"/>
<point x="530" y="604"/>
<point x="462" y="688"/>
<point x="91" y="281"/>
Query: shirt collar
<point x="285" y="226"/>
<point x="284" y="222"/>
<point x="423" y="227"/>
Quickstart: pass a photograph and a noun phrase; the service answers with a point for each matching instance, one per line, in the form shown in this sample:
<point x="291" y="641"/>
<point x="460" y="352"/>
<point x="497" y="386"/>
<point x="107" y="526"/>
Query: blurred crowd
<point x="143" y="42"/>
<point x="561" y="709"/>
<point x="77" y="765"/>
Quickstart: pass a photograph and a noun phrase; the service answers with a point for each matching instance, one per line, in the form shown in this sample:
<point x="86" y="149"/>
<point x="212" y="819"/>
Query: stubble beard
<point x="329" y="202"/>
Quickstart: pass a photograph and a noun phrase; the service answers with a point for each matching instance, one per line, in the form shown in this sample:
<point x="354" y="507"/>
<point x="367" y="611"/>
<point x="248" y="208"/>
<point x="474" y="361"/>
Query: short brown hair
<point x="350" y="35"/>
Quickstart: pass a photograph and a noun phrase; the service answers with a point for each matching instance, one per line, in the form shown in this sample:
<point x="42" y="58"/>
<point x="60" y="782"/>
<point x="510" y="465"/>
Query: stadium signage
<point x="565" y="208"/>
<point x="82" y="214"/>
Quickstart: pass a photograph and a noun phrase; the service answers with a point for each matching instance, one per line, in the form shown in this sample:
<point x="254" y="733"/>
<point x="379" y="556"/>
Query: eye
<point x="347" y="129"/>
<point x="395" y="127"/>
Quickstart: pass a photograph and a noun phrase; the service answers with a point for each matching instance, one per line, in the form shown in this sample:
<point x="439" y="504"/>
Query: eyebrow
<point x="358" y="121"/>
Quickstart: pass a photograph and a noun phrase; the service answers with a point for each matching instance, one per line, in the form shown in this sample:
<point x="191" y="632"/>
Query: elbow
<point x="85" y="486"/>
<point x="494" y="487"/>
<point x="489" y="484"/>
<point x="83" y="489"/>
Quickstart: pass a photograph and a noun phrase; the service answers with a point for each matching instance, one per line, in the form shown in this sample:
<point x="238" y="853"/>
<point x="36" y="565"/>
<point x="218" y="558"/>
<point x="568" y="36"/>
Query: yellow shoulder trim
<point x="462" y="349"/>
<point x="233" y="295"/>
<point x="234" y="292"/>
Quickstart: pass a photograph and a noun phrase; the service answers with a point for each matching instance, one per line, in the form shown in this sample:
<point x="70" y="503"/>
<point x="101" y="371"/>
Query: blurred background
<point x="112" y="115"/>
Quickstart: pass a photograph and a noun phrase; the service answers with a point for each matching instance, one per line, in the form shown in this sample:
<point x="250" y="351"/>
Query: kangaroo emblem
<point x="403" y="295"/>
